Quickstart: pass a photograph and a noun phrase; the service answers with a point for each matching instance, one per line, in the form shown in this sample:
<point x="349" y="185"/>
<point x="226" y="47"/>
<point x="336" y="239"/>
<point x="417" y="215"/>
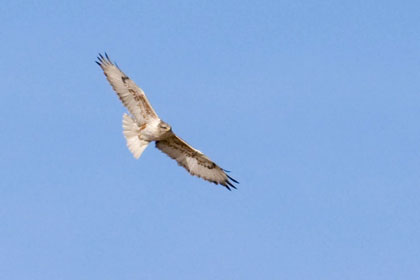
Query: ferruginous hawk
<point x="144" y="126"/>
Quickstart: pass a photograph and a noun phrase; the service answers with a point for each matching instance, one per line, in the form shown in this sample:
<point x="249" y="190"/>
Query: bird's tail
<point x="131" y="132"/>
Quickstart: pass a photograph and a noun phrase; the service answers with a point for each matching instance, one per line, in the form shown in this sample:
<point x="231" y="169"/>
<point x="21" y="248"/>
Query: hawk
<point x="144" y="126"/>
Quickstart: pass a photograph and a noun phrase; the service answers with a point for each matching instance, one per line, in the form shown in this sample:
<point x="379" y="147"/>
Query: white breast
<point x="151" y="131"/>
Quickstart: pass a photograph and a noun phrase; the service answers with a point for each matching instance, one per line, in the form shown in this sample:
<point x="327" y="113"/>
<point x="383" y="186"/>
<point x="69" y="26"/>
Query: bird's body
<point x="144" y="126"/>
<point x="153" y="131"/>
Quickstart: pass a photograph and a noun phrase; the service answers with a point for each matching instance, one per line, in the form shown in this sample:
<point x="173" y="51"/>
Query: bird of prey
<point x="144" y="126"/>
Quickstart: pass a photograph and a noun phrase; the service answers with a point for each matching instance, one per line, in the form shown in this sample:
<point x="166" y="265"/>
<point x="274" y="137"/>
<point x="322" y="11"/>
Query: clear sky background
<point x="313" y="105"/>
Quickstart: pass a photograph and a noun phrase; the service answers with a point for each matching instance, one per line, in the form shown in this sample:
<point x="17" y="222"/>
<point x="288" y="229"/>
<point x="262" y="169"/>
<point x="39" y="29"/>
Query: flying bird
<point x="143" y="126"/>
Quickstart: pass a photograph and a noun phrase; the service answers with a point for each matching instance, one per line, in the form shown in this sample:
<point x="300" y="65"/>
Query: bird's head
<point x="164" y="127"/>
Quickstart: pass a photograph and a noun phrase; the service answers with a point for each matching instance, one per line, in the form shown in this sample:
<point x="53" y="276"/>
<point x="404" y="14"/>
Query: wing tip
<point x="103" y="61"/>
<point x="233" y="180"/>
<point x="228" y="184"/>
<point x="229" y="181"/>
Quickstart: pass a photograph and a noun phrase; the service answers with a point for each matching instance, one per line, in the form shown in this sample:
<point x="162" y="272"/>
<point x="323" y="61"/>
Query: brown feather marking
<point x="140" y="98"/>
<point x="143" y="126"/>
<point x="178" y="145"/>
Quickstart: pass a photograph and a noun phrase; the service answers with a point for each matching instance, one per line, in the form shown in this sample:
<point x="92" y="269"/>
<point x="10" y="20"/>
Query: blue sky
<point x="313" y="106"/>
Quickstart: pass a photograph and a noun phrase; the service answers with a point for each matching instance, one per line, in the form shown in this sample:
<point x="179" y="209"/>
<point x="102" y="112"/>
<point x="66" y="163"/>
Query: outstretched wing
<point x="194" y="161"/>
<point x="129" y="93"/>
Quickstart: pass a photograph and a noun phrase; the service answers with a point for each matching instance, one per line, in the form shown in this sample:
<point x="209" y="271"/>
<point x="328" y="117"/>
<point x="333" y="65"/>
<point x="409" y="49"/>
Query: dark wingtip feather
<point x="103" y="60"/>
<point x="232" y="179"/>
<point x="100" y="59"/>
<point x="230" y="184"/>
